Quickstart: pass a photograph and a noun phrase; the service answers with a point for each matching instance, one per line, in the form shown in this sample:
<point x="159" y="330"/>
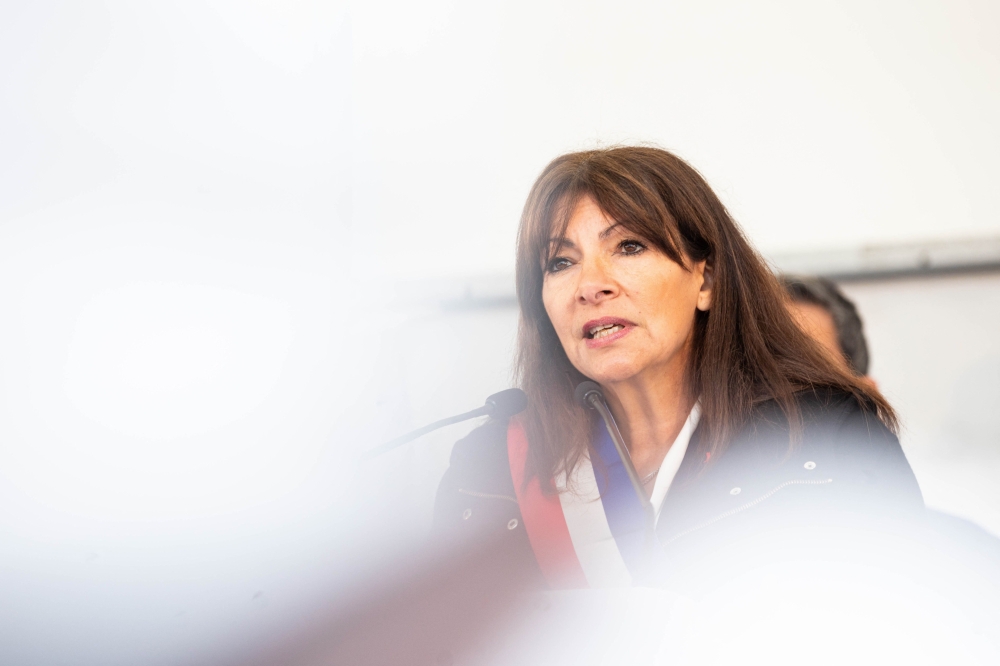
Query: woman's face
<point x="621" y="308"/>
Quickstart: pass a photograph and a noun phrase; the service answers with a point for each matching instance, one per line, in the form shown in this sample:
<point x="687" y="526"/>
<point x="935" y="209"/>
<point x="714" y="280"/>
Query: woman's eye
<point x="631" y="247"/>
<point x="557" y="264"/>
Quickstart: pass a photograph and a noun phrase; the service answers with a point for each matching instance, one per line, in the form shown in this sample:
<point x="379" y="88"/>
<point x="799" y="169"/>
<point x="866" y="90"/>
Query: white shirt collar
<point x="672" y="461"/>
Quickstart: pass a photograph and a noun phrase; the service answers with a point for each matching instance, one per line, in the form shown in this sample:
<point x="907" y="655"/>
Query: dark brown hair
<point x="747" y="348"/>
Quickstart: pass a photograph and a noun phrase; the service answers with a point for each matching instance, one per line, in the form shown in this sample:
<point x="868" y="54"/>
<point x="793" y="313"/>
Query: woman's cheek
<point x="559" y="311"/>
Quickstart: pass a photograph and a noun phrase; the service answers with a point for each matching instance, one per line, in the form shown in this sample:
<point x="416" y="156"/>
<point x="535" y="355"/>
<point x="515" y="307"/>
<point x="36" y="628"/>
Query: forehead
<point x="586" y="218"/>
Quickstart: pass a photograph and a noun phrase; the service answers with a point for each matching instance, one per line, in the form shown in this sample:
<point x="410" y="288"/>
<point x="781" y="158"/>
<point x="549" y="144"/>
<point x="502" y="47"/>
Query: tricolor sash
<point x="589" y="534"/>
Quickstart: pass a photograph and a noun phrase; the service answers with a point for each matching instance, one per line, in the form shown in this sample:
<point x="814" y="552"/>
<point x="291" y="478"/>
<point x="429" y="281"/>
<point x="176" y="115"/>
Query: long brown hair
<point x="747" y="348"/>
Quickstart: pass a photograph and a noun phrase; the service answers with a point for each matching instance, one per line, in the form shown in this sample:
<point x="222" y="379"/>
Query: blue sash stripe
<point x="621" y="507"/>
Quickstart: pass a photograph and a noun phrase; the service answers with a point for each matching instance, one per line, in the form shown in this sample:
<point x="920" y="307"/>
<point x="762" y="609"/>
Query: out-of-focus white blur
<point x="227" y="230"/>
<point x="847" y="613"/>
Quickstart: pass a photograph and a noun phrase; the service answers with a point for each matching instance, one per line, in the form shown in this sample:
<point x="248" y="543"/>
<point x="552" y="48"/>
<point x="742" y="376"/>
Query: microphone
<point x="502" y="405"/>
<point x="589" y="395"/>
<point x="586" y="392"/>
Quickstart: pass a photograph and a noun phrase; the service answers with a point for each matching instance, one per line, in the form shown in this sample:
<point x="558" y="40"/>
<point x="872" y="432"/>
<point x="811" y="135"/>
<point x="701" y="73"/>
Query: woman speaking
<point x="711" y="423"/>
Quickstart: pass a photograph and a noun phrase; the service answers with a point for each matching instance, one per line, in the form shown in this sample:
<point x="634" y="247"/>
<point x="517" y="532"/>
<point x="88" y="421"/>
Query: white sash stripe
<point x="593" y="542"/>
<point x="589" y="530"/>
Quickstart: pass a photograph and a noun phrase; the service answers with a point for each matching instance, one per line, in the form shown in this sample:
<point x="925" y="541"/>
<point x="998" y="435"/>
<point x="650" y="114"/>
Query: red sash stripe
<point x="543" y="519"/>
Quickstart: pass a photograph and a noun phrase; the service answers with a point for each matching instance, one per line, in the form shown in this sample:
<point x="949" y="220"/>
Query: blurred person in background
<point x="631" y="274"/>
<point x="830" y="318"/>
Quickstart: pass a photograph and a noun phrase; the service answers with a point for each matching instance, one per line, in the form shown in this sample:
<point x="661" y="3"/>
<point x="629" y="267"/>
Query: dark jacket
<point x="847" y="470"/>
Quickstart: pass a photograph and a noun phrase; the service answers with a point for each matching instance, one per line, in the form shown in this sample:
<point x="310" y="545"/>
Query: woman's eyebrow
<point x="607" y="232"/>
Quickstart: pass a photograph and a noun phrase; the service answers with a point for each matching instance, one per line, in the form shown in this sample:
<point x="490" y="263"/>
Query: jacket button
<point x="735" y="491"/>
<point x="466" y="514"/>
<point x="810" y="465"/>
<point x="512" y="524"/>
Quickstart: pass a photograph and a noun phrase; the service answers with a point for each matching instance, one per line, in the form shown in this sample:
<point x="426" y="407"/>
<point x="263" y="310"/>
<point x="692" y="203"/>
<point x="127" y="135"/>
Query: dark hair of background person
<point x="747" y="348"/>
<point x="850" y="331"/>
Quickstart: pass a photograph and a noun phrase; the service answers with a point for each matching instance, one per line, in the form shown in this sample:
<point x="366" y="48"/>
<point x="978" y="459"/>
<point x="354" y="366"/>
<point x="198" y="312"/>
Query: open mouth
<point x="603" y="331"/>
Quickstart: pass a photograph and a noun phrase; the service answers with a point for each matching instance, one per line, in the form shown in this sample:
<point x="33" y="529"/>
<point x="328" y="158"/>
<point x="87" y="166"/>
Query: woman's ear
<point x="707" y="282"/>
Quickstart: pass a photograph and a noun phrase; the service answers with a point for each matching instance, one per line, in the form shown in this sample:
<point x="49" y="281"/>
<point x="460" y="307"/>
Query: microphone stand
<point x="410" y="436"/>
<point x="502" y="405"/>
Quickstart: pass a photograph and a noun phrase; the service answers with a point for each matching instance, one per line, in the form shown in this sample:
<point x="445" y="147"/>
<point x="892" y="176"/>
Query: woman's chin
<point x="613" y="374"/>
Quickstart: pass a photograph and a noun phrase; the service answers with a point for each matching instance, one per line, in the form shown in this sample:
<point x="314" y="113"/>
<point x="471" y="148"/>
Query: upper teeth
<point x="604" y="330"/>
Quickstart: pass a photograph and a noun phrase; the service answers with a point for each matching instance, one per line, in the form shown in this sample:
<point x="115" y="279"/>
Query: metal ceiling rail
<point x="868" y="263"/>
<point x="884" y="262"/>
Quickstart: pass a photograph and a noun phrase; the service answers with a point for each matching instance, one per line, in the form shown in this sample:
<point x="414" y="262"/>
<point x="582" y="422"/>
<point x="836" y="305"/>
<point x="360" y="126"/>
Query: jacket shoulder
<point x="862" y="451"/>
<point x="479" y="471"/>
<point x="843" y="468"/>
<point x="822" y="410"/>
<point x="819" y="406"/>
<point x="476" y="501"/>
<point x="843" y="455"/>
<point x="479" y="455"/>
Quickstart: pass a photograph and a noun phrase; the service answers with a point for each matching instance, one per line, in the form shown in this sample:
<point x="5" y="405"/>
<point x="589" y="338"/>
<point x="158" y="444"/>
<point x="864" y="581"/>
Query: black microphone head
<point x="584" y="390"/>
<point x="505" y="404"/>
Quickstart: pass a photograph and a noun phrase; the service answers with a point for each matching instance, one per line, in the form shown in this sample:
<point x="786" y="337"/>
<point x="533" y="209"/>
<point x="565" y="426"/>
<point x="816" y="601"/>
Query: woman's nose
<point x="595" y="284"/>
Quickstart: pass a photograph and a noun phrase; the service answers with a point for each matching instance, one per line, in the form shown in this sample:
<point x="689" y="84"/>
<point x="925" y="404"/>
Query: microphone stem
<point x="412" y="435"/>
